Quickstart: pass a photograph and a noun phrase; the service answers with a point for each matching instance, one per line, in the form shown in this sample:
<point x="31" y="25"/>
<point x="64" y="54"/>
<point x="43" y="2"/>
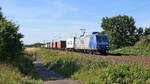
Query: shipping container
<point x="61" y="44"/>
<point x="55" y="44"/>
<point x="70" y="43"/>
<point x="52" y="44"/>
<point x="46" y="45"/>
<point x="49" y="44"/>
<point x="82" y="42"/>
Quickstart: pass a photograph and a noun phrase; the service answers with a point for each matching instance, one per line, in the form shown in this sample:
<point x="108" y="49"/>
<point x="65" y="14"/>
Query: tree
<point x="140" y="31"/>
<point x="147" y="31"/>
<point x="121" y="31"/>
<point x="10" y="45"/>
<point x="0" y="13"/>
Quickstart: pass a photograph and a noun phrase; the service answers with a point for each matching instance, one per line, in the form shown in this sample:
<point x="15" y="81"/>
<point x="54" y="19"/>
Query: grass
<point x="134" y="50"/>
<point x="11" y="75"/>
<point x="92" y="70"/>
<point x="19" y="71"/>
<point x="141" y="48"/>
<point x="65" y="62"/>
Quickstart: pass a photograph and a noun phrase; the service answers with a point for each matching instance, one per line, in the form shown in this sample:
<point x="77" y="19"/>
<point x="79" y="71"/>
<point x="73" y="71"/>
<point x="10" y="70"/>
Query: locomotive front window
<point x="102" y="38"/>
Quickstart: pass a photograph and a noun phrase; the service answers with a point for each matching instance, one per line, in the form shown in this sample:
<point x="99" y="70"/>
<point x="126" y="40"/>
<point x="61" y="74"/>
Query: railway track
<point x="130" y="59"/>
<point x="118" y="57"/>
<point x="124" y="58"/>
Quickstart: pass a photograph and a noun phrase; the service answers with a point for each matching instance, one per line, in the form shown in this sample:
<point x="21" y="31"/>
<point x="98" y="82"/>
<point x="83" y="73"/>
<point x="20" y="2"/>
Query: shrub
<point x="125" y="74"/>
<point x="10" y="44"/>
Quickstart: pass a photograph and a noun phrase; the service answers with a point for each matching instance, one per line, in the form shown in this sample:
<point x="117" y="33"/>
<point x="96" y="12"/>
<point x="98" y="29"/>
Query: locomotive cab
<point x="102" y="43"/>
<point x="99" y="42"/>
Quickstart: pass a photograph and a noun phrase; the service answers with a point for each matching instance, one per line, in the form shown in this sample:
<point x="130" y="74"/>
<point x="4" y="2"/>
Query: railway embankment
<point x="95" y="70"/>
<point x="141" y="48"/>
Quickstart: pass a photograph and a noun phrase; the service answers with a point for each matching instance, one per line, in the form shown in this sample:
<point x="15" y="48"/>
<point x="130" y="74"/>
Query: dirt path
<point x="50" y="77"/>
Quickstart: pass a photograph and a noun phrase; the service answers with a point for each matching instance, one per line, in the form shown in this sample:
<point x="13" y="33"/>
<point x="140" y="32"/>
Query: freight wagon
<point x="55" y="45"/>
<point x="61" y="44"/>
<point x="70" y="43"/>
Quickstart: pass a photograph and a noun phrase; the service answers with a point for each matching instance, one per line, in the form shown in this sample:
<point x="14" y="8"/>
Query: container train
<point x="85" y="43"/>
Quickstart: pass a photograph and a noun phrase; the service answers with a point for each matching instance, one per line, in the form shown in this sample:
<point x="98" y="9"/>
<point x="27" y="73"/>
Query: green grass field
<point x="141" y="48"/>
<point x="92" y="70"/>
<point x="134" y="50"/>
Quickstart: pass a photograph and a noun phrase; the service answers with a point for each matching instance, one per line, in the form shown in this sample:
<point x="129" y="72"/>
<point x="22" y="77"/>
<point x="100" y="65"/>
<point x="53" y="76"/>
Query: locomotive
<point x="85" y="43"/>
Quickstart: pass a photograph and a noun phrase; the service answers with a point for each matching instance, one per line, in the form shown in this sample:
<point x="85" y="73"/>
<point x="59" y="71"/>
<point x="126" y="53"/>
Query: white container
<point x="82" y="42"/>
<point x="70" y="43"/>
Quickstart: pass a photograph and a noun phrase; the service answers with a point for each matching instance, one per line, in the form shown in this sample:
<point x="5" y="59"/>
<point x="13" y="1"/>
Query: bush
<point x="21" y="68"/>
<point x="125" y="74"/>
<point x="10" y="45"/>
<point x="11" y="53"/>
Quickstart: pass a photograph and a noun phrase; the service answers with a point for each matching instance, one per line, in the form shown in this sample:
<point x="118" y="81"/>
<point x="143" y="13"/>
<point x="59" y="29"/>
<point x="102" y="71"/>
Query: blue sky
<point x="48" y="20"/>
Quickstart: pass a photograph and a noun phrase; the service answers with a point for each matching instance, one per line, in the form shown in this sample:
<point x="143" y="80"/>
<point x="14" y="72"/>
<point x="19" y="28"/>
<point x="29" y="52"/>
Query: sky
<point x="46" y="20"/>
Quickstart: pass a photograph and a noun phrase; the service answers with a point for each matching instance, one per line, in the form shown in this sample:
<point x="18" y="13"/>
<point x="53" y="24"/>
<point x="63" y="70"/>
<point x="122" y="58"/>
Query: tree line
<point x="122" y="31"/>
<point x="34" y="45"/>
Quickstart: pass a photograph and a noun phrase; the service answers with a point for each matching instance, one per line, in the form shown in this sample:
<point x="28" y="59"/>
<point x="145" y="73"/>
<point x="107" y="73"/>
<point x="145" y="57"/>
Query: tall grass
<point x="134" y="50"/>
<point x="19" y="71"/>
<point x="141" y="48"/>
<point x="67" y="63"/>
<point x="92" y="70"/>
<point x="11" y="75"/>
